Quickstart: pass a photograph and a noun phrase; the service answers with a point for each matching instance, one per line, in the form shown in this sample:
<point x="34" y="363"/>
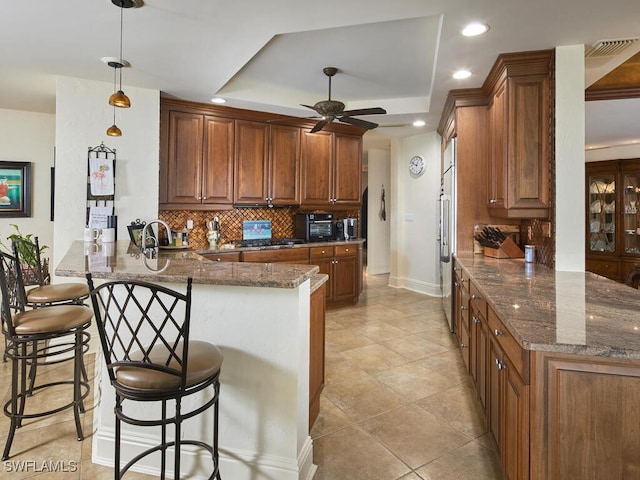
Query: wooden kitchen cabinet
<point x="266" y="164"/>
<point x="222" y="256"/>
<point x="341" y="263"/>
<point x="316" y="350"/>
<point x="196" y="160"/>
<point x="520" y="135"/>
<point x="298" y="256"/>
<point x="331" y="165"/>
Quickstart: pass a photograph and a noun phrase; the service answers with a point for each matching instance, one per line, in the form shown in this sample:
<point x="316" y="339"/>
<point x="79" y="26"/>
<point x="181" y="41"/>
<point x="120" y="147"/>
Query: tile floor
<point x="397" y="404"/>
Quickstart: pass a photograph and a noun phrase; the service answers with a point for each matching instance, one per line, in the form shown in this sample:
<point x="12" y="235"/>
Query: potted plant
<point x="27" y="257"/>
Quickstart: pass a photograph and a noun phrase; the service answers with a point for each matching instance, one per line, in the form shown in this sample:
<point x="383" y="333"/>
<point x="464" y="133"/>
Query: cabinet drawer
<point x="606" y="268"/>
<point x="345" y="250"/>
<point x="222" y="257"/>
<point x="320" y="252"/>
<point x="478" y="302"/>
<point x="294" y="255"/>
<point x="516" y="355"/>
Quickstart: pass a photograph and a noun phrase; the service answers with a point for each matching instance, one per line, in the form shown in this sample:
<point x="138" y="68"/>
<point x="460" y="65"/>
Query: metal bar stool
<point x="29" y="335"/>
<point x="144" y="332"/>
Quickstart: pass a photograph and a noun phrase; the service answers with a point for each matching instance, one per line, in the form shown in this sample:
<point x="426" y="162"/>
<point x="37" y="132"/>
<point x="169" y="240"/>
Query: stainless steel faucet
<point x="151" y="251"/>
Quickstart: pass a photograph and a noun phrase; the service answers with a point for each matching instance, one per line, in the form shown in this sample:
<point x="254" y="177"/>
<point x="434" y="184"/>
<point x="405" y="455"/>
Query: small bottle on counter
<point x="185" y="237"/>
<point x="529" y="253"/>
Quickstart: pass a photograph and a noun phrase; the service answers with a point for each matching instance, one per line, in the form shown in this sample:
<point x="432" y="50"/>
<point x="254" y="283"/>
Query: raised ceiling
<point x="269" y="55"/>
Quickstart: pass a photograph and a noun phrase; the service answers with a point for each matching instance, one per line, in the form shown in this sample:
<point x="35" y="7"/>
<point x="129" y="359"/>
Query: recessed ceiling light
<point x="474" y="29"/>
<point x="218" y="100"/>
<point x="461" y="74"/>
<point x="419" y="123"/>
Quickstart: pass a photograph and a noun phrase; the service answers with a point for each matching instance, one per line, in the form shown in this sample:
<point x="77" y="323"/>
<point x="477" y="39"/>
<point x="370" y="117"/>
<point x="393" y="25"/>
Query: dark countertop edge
<point x="564" y="348"/>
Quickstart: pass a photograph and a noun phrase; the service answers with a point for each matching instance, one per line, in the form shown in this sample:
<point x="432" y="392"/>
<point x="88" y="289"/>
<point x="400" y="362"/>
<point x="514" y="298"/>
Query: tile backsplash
<point x="282" y="222"/>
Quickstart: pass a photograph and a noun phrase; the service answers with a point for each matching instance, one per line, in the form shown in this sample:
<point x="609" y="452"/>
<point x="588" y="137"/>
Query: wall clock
<point x="416" y="165"/>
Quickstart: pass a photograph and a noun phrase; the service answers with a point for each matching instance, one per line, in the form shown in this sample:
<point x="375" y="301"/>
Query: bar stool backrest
<point x="13" y="299"/>
<point x="143" y="325"/>
<point x="28" y="253"/>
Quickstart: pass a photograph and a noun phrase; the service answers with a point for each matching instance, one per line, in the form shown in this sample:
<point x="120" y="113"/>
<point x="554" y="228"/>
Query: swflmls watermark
<point x="40" y="466"/>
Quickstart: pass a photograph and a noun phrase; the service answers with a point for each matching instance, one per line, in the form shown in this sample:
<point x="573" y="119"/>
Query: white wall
<point x="378" y="230"/>
<point x="29" y="137"/>
<point x="613" y="153"/>
<point x="82" y="118"/>
<point x="415" y="216"/>
<point x="570" y="158"/>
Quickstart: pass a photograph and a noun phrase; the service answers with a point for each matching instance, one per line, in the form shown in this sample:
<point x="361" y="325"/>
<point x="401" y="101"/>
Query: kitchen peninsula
<point x="555" y="360"/>
<point x="258" y="315"/>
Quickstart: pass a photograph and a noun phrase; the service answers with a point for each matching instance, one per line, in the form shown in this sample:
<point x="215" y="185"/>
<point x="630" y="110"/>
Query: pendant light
<point x="119" y="99"/>
<point x="113" y="130"/>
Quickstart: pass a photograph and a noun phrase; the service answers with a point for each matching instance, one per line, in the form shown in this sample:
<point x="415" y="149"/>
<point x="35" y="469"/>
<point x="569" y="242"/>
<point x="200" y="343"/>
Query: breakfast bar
<point x="258" y="315"/>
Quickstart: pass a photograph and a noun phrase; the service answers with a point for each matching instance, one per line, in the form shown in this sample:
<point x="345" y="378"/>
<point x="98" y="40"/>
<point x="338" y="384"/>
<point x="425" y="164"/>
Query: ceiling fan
<point x="329" y="110"/>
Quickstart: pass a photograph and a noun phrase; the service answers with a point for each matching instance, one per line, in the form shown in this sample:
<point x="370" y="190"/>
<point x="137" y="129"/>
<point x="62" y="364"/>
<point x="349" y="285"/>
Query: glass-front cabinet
<point x="602" y="212"/>
<point x="613" y="217"/>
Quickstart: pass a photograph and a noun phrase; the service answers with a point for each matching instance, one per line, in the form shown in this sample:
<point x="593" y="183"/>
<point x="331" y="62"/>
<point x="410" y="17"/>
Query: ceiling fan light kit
<point x="330" y="110"/>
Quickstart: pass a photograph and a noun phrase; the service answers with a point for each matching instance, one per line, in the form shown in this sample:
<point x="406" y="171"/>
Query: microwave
<point x="314" y="227"/>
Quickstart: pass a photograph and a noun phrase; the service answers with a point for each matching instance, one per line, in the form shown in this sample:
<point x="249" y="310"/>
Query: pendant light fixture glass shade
<point x="113" y="130"/>
<point x="120" y="100"/>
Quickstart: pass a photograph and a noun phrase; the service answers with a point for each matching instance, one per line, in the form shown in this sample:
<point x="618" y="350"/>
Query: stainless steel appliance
<point x="314" y="227"/>
<point x="448" y="228"/>
<point x="350" y="228"/>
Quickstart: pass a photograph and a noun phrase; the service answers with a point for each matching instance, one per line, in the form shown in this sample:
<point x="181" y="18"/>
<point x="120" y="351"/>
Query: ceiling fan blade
<point x="312" y="108"/>
<point x="319" y="126"/>
<point x="359" y="122"/>
<point x="365" y="111"/>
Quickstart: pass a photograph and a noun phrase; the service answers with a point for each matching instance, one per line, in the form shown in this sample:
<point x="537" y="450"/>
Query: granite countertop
<point x="237" y="248"/>
<point x="123" y="260"/>
<point x="570" y="312"/>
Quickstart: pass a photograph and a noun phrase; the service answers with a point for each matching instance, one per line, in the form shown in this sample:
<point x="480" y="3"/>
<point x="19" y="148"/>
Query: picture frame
<point x="135" y="234"/>
<point x="15" y="189"/>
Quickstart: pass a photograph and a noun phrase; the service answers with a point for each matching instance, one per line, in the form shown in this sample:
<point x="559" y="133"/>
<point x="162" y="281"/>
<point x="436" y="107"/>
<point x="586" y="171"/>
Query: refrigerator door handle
<point x="445" y="251"/>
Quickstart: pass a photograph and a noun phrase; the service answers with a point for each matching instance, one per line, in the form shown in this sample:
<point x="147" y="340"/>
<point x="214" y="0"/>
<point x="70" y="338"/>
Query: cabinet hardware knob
<point x="497" y="332"/>
<point x="198" y="198"/>
<point x="474" y="297"/>
<point x="499" y="364"/>
<point x="493" y="200"/>
<point x="204" y="198"/>
<point x="476" y="320"/>
<point x="323" y="252"/>
<point x="218" y="259"/>
<point x="462" y="307"/>
<point x="456" y="284"/>
<point x="462" y="345"/>
<point x="346" y="249"/>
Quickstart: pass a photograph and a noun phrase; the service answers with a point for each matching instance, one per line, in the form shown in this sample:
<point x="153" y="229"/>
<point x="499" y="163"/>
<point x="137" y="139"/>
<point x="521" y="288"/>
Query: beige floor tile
<point x="363" y="398"/>
<point x="345" y="339"/>
<point x="374" y="358"/>
<point x="469" y="462"/>
<point x="330" y="419"/>
<point x="351" y="454"/>
<point x="337" y="369"/>
<point x="414" y="347"/>
<point x="397" y="430"/>
<point x="459" y="408"/>
<point x="379" y="331"/>
<point x="414" y="381"/>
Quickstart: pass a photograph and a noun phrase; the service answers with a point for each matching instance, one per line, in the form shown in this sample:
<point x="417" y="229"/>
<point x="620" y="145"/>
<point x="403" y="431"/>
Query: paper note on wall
<point x="98" y="216"/>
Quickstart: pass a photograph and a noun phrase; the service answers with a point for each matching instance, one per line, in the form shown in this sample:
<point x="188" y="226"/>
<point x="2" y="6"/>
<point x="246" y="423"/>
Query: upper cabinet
<point x="196" y="160"/>
<point x="218" y="157"/>
<point x="330" y="169"/>
<point x="519" y="135"/>
<point x="267" y="164"/>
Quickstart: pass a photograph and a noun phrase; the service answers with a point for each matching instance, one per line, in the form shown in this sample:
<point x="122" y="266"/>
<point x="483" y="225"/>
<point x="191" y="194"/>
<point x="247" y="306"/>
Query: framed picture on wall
<point x="15" y="189"/>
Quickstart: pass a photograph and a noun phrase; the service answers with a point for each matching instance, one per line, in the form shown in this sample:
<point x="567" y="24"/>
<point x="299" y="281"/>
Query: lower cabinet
<point x="316" y="351"/>
<point x="222" y="257"/>
<point x="341" y="263"/>
<point x="298" y="256"/>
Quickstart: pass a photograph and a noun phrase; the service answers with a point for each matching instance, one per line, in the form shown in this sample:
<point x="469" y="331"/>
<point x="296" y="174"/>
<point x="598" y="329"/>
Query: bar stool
<point x="43" y="292"/>
<point x="144" y="332"/>
<point x="45" y="335"/>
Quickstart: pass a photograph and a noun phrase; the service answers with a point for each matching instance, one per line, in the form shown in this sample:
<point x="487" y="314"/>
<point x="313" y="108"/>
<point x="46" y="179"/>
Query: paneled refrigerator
<point x="448" y="227"/>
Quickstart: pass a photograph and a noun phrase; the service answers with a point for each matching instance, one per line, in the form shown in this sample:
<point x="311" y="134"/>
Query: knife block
<point x="507" y="249"/>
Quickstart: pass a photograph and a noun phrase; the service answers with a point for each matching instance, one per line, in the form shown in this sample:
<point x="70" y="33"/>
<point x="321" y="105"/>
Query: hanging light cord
<point x="121" y="28"/>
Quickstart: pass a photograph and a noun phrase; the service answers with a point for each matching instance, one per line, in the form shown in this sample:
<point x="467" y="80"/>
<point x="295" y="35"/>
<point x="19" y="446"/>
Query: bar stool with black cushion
<point x="42" y="292"/>
<point x="46" y="335"/>
<point x="144" y="333"/>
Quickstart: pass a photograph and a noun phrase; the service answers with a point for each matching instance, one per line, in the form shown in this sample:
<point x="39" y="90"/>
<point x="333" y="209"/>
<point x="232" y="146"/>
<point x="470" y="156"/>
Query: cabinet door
<point x="528" y="144"/>
<point x="494" y="390"/>
<point x="325" y="266"/>
<point x="184" y="158"/>
<point x="630" y="212"/>
<point x="348" y="167"/>
<point x="344" y="278"/>
<point x="601" y="211"/>
<point x="497" y="148"/>
<point x="482" y="362"/>
<point x="217" y="176"/>
<point x="316" y="351"/>
<point x="316" y="162"/>
<point x="251" y="174"/>
<point x="515" y="419"/>
<point x="284" y="165"/>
